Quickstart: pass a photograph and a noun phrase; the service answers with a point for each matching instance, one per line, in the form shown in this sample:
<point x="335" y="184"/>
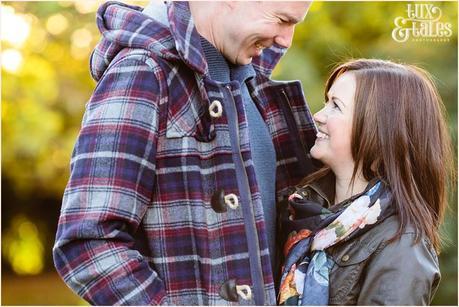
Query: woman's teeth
<point x="321" y="135"/>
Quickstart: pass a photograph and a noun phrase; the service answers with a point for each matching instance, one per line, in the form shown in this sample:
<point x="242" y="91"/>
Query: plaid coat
<point x="139" y="224"/>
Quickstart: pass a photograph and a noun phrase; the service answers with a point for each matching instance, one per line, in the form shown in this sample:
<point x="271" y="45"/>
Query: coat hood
<point x="125" y="26"/>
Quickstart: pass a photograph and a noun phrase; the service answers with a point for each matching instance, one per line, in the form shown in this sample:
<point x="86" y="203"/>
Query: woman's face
<point x="334" y="121"/>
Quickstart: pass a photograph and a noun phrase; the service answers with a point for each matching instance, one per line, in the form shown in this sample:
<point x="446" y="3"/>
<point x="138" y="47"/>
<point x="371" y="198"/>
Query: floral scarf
<point x="311" y="229"/>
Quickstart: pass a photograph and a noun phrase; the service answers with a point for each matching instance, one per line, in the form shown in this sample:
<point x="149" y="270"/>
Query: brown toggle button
<point x="345" y="258"/>
<point x="218" y="201"/>
<point x="228" y="291"/>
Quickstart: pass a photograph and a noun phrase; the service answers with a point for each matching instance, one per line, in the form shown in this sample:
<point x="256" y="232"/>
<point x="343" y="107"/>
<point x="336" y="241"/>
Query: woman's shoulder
<point x="380" y="239"/>
<point x="382" y="235"/>
<point x="373" y="269"/>
<point x="409" y="241"/>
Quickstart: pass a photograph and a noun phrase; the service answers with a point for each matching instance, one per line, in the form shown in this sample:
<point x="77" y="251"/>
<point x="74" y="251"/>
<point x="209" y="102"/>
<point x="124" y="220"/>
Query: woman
<point x="364" y="228"/>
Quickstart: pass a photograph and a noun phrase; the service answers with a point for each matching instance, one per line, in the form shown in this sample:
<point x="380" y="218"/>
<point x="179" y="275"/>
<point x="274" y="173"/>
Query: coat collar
<point x="187" y="38"/>
<point x="325" y="188"/>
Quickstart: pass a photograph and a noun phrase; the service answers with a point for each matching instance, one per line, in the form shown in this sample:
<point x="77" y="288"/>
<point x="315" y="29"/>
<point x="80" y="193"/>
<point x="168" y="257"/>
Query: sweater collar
<point x="218" y="66"/>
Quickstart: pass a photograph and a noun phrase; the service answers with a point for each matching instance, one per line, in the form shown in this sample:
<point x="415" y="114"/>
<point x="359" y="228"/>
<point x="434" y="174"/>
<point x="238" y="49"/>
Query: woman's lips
<point x="322" y="135"/>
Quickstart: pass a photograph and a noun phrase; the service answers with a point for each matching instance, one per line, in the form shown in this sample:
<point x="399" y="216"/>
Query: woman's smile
<point x="322" y="136"/>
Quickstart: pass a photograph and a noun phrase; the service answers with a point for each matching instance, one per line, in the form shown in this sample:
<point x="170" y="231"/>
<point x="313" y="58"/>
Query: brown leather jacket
<point x="368" y="270"/>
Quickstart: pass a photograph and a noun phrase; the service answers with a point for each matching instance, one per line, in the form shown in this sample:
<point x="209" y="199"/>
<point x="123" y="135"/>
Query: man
<point x="185" y="147"/>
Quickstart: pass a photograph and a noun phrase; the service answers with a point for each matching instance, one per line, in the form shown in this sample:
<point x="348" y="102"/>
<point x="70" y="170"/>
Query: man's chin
<point x="242" y="60"/>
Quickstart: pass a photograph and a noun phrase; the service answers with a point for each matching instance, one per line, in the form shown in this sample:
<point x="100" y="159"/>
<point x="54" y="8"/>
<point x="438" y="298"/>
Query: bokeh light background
<point x="45" y="48"/>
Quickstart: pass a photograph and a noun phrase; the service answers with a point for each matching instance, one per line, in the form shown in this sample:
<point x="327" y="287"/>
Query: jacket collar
<point x="187" y="38"/>
<point x="325" y="188"/>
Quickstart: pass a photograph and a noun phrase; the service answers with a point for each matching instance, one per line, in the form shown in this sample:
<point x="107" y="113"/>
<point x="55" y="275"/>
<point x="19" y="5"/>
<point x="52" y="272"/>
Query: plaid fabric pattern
<point x="136" y="224"/>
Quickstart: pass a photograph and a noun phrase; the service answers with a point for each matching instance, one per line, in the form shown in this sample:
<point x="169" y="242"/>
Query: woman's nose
<point x="320" y="117"/>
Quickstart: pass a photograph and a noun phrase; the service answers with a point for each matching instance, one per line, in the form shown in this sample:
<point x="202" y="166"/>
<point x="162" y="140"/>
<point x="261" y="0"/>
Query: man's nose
<point x="285" y="36"/>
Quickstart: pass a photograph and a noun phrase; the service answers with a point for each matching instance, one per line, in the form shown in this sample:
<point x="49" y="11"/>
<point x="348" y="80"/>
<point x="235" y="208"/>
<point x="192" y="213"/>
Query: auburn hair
<point x="400" y="135"/>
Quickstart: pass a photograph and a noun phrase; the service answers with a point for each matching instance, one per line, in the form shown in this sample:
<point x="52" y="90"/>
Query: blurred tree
<point x="45" y="72"/>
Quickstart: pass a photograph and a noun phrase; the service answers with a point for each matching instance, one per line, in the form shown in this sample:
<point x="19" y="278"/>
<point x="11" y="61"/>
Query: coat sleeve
<point x="112" y="172"/>
<point x="401" y="273"/>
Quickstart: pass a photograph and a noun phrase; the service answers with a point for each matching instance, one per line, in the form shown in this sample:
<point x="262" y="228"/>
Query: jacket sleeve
<point x="401" y="273"/>
<point x="112" y="173"/>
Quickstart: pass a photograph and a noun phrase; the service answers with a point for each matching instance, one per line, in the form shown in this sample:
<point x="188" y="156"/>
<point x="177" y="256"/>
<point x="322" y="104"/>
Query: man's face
<point x="251" y="26"/>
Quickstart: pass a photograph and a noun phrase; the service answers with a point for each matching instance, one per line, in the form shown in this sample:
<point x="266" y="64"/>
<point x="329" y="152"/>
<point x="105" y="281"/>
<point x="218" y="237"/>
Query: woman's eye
<point x="332" y="103"/>
<point x="335" y="105"/>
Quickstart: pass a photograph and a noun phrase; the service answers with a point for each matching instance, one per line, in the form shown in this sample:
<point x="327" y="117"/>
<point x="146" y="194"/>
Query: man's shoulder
<point x="133" y="67"/>
<point x="134" y="75"/>
<point x="134" y="58"/>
